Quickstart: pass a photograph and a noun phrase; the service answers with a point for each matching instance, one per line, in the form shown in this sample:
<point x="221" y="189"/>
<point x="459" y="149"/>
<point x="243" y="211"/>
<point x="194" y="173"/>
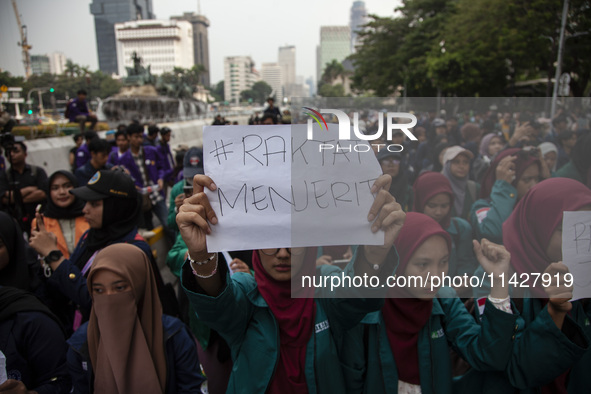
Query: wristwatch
<point x="53" y="256"/>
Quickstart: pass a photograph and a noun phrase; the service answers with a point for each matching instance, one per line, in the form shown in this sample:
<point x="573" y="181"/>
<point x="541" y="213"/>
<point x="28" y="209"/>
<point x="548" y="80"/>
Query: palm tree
<point x="72" y="69"/>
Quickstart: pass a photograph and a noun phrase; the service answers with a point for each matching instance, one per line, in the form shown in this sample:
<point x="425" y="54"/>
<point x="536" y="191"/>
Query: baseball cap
<point x="193" y="163"/>
<point x="438" y="122"/>
<point x="453" y="151"/>
<point x="384" y="153"/>
<point x="107" y="183"/>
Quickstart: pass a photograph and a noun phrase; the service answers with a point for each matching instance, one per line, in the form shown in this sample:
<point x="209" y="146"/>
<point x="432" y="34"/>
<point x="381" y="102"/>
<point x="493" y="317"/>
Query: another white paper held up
<point x="276" y="188"/>
<point x="576" y="250"/>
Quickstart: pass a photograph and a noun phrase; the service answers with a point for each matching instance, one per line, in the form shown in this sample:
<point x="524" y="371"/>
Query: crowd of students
<point x="84" y="308"/>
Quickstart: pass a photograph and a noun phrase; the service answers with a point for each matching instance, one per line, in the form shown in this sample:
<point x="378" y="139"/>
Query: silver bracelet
<point x="215" y="270"/>
<point x="191" y="261"/>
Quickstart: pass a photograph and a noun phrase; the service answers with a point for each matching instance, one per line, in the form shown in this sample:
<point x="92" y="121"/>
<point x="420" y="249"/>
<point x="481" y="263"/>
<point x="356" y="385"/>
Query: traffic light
<point x="51" y="90"/>
<point x="30" y="112"/>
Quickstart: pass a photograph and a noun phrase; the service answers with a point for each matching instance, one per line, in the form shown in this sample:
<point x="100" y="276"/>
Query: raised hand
<point x="496" y="260"/>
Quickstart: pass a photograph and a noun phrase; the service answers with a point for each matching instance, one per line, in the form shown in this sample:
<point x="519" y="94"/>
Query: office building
<point x="162" y="44"/>
<point x="335" y="44"/>
<point x="239" y="75"/>
<point x="57" y="63"/>
<point x="106" y="14"/>
<point x="39" y="64"/>
<point x="200" y="42"/>
<point x="272" y="73"/>
<point x="358" y="19"/>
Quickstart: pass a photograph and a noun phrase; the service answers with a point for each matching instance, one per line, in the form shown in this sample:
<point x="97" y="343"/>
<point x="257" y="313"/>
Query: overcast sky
<point x="256" y="28"/>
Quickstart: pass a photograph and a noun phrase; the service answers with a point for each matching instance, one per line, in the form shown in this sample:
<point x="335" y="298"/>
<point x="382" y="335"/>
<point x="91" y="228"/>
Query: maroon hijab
<point x="295" y="317"/>
<point x="528" y="230"/>
<point x="523" y="161"/>
<point x="427" y="186"/>
<point x="405" y="317"/>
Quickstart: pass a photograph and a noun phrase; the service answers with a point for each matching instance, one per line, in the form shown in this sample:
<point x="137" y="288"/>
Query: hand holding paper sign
<point x="195" y="216"/>
<point x="388" y="216"/>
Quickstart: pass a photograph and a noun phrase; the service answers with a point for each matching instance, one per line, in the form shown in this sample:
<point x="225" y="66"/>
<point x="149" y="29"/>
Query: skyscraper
<point x="286" y="60"/>
<point x="358" y="19"/>
<point x="239" y="75"/>
<point x="335" y="44"/>
<point x="57" y="63"/>
<point x="272" y="73"/>
<point x="106" y="14"/>
<point x="40" y="64"/>
<point x="200" y="42"/>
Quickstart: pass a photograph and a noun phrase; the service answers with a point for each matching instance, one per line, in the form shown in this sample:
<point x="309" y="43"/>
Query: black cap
<point x="107" y="183"/>
<point x="193" y="163"/>
<point x="384" y="153"/>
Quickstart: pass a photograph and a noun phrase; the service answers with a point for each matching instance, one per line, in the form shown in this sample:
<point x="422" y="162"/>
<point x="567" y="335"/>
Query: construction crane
<point x="23" y="43"/>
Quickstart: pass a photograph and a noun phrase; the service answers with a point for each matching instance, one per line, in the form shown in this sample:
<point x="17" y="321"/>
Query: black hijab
<point x="13" y="301"/>
<point x="72" y="211"/>
<point x="399" y="185"/>
<point x="120" y="217"/>
<point x="16" y="273"/>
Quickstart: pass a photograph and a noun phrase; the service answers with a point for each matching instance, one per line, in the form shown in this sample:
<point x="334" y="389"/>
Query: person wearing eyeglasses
<point x="281" y="344"/>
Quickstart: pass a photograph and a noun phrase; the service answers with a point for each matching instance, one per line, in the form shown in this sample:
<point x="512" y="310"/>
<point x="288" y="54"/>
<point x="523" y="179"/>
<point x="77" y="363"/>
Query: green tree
<point x="218" y="91"/>
<point x="333" y="72"/>
<point x="259" y="92"/>
<point x="394" y="50"/>
<point x="328" y="90"/>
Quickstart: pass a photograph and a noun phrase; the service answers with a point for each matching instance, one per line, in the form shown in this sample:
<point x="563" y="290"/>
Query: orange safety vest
<point x="53" y="226"/>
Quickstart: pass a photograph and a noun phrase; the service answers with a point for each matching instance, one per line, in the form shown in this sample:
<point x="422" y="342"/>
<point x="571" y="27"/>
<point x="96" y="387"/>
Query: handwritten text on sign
<point x="278" y="189"/>
<point x="576" y="250"/>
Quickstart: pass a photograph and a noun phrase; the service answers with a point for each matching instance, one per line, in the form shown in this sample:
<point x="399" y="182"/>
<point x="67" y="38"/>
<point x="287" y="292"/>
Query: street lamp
<point x="39" y="92"/>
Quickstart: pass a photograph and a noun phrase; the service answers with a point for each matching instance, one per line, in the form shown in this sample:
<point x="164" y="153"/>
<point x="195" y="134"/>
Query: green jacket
<point x="462" y="259"/>
<point x="569" y="170"/>
<point x="542" y="352"/>
<point x="175" y="260"/>
<point x="486" y="347"/>
<point x="244" y="320"/>
<point x="488" y="215"/>
<point x="174" y="192"/>
<point x="472" y="193"/>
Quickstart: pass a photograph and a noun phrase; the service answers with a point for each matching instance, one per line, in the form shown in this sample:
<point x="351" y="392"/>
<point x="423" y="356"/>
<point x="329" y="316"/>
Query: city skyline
<point x="239" y="29"/>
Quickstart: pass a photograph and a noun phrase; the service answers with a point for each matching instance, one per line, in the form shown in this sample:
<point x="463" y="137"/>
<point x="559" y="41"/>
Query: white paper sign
<point x="3" y="376"/>
<point x="278" y="189"/>
<point x="576" y="250"/>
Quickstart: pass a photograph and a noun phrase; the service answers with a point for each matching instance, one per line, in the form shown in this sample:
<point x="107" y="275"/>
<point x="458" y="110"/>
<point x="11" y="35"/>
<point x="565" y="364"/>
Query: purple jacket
<point x="82" y="155"/>
<point x="167" y="161"/>
<point x="76" y="108"/>
<point x="153" y="161"/>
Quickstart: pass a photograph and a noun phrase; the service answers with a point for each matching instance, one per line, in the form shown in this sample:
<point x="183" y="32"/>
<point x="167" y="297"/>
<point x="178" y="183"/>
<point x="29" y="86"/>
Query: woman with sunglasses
<point x="281" y="344"/>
